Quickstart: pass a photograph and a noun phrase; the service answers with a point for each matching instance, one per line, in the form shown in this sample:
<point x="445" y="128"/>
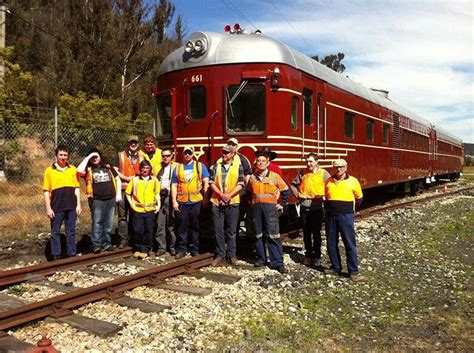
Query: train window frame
<point x="203" y="99"/>
<point x="161" y="128"/>
<point x="308" y="106"/>
<point x="349" y="122"/>
<point x="386" y="133"/>
<point x="369" y="129"/>
<point x="294" y="112"/>
<point x="239" y="93"/>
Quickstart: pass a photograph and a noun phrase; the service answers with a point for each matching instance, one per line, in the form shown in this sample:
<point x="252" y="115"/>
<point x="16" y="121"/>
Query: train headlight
<point x="189" y="47"/>
<point x="200" y="45"/>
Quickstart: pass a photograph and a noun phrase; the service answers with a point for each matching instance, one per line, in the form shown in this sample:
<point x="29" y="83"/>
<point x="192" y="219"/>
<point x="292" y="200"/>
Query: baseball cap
<point x="132" y="138"/>
<point x="188" y="148"/>
<point x="340" y="163"/>
<point x="233" y="141"/>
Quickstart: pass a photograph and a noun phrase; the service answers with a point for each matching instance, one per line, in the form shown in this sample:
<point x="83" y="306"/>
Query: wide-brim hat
<point x="265" y="150"/>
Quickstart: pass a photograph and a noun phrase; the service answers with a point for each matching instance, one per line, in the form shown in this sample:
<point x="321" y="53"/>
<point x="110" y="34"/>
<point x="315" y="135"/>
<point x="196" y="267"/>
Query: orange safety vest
<point x="268" y="189"/>
<point x="127" y="168"/>
<point x="90" y="183"/>
<point x="231" y="181"/>
<point x="312" y="185"/>
<point x="189" y="191"/>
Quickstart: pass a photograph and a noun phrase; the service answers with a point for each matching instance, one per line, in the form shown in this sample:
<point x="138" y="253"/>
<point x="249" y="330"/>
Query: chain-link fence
<point x="27" y="149"/>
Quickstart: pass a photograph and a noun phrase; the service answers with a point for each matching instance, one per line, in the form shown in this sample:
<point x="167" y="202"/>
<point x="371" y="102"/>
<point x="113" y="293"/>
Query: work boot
<point x="160" y="252"/>
<point x="282" y="269"/>
<point x="358" y="278"/>
<point x="217" y="262"/>
<point x="122" y="245"/>
<point x="180" y="255"/>
<point x="172" y="252"/>
<point x="55" y="257"/>
<point x="259" y="264"/>
<point x="332" y="272"/>
<point x="308" y="261"/>
<point x="97" y="251"/>
<point x="233" y="261"/>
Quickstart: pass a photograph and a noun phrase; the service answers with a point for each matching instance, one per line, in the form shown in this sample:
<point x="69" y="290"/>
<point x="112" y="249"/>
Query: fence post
<point x="55" y="127"/>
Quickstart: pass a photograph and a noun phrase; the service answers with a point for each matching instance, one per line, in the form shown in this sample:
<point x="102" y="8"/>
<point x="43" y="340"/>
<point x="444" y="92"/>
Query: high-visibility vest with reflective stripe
<point x="268" y="189"/>
<point x="127" y="168"/>
<point x="189" y="191"/>
<point x="231" y="180"/>
<point x="144" y="194"/>
<point x="312" y="185"/>
<point x="155" y="161"/>
<point x="90" y="182"/>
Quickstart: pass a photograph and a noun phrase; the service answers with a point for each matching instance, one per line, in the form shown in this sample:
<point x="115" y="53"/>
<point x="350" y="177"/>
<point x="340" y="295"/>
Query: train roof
<point x="257" y="48"/>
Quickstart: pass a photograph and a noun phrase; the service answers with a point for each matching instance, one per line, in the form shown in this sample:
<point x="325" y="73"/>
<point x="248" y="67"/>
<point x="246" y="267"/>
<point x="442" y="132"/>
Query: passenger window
<point x="197" y="102"/>
<point x="163" y="102"/>
<point x="294" y="113"/>
<point x="308" y="106"/>
<point x="369" y="129"/>
<point x="386" y="132"/>
<point x="349" y="125"/>
<point x="246" y="108"/>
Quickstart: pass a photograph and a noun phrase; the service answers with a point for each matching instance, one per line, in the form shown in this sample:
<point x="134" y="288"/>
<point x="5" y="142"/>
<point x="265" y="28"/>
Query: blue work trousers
<point x="143" y="227"/>
<point x="69" y="217"/>
<point x="188" y="221"/>
<point x="102" y="212"/>
<point x="225" y="223"/>
<point x="267" y="229"/>
<point x="342" y="224"/>
<point x="312" y="221"/>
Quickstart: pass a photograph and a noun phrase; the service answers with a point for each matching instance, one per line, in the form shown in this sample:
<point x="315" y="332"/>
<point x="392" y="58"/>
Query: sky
<point x="421" y="51"/>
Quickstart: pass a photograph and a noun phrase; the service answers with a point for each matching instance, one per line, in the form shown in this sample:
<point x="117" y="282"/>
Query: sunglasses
<point x="188" y="152"/>
<point x="165" y="155"/>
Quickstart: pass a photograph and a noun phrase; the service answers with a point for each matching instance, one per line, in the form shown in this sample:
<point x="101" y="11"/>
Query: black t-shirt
<point x="102" y="183"/>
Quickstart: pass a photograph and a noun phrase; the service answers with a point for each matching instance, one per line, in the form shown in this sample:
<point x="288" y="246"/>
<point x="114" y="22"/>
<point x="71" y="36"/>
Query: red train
<point x="265" y="93"/>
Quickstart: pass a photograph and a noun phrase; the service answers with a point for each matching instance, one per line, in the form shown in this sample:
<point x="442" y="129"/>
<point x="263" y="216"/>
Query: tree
<point x="333" y="61"/>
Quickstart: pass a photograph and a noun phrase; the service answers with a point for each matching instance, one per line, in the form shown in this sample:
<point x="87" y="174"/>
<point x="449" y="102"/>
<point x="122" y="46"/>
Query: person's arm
<point x="295" y="184"/>
<point x="118" y="194"/>
<point x="157" y="196"/>
<point x="81" y="168"/>
<point x="47" y="204"/>
<point x="77" y="192"/>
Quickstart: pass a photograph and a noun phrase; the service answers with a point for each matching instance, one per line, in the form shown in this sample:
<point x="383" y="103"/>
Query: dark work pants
<point x="342" y="224"/>
<point x="143" y="226"/>
<point x="188" y="220"/>
<point x="69" y="218"/>
<point x="165" y="226"/>
<point x="312" y="221"/>
<point x="125" y="221"/>
<point x="267" y="228"/>
<point x="225" y="223"/>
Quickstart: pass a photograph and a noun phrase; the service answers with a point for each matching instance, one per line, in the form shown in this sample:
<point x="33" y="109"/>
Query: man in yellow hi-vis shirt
<point x="343" y="194"/>
<point x="143" y="195"/>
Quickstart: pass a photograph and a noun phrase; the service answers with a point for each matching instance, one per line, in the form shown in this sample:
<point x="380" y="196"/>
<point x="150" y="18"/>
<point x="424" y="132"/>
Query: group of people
<point x="159" y="201"/>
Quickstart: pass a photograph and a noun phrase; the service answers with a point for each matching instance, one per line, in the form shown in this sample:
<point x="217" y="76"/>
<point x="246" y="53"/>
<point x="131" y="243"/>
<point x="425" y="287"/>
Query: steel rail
<point x="60" y="305"/>
<point x="370" y="211"/>
<point x="22" y="274"/>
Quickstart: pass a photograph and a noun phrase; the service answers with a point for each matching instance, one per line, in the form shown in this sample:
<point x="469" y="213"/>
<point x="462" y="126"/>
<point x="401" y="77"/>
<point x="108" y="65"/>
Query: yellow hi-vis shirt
<point x="155" y="161"/>
<point x="143" y="193"/>
<point x="342" y="194"/>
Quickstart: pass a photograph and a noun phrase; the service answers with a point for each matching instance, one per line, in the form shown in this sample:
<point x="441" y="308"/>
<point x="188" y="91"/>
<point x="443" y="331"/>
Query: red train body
<point x="264" y="93"/>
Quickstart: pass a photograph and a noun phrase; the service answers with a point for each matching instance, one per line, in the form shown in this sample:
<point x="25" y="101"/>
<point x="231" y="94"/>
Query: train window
<point x="294" y="113"/>
<point x="349" y="125"/>
<point x="246" y="109"/>
<point x="308" y="106"/>
<point x="163" y="102"/>
<point x="386" y="132"/>
<point x="369" y="129"/>
<point x="197" y="102"/>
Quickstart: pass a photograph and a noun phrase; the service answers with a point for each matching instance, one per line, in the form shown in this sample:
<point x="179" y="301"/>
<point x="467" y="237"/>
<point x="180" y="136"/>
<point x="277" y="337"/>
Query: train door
<point x="308" y="122"/>
<point x="165" y="123"/>
<point x="433" y="147"/>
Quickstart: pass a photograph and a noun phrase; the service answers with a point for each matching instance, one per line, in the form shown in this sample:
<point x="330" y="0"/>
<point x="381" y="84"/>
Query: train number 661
<point x="196" y="78"/>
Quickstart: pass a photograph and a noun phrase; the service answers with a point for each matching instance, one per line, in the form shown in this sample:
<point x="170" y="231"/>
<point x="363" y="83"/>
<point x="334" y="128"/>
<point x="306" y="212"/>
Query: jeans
<point x="165" y="226"/>
<point x="143" y="226"/>
<point x="102" y="222"/>
<point x="125" y="215"/>
<point x="69" y="218"/>
<point x="188" y="220"/>
<point x="225" y="222"/>
<point x="343" y="224"/>
<point x="312" y="221"/>
<point x="267" y="228"/>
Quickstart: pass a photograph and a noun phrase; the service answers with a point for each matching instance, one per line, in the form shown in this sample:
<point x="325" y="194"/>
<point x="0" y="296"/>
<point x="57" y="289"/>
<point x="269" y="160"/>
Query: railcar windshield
<point x="163" y="127"/>
<point x="246" y="108"/>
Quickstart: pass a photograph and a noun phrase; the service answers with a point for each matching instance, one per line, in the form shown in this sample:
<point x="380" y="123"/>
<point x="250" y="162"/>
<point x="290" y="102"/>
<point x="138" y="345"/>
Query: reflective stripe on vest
<point x="265" y="190"/>
<point x="127" y="168"/>
<point x="312" y="185"/>
<point x="90" y="183"/>
<point x="189" y="191"/>
<point x="231" y="181"/>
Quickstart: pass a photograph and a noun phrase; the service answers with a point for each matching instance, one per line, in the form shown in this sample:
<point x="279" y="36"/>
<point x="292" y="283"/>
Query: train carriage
<point x="265" y="93"/>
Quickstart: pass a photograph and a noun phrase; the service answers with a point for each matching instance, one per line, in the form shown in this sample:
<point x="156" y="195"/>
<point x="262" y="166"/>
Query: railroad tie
<point x="10" y="343"/>
<point x="183" y="289"/>
<point x="216" y="277"/>
<point x="142" y="305"/>
<point x="87" y="324"/>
